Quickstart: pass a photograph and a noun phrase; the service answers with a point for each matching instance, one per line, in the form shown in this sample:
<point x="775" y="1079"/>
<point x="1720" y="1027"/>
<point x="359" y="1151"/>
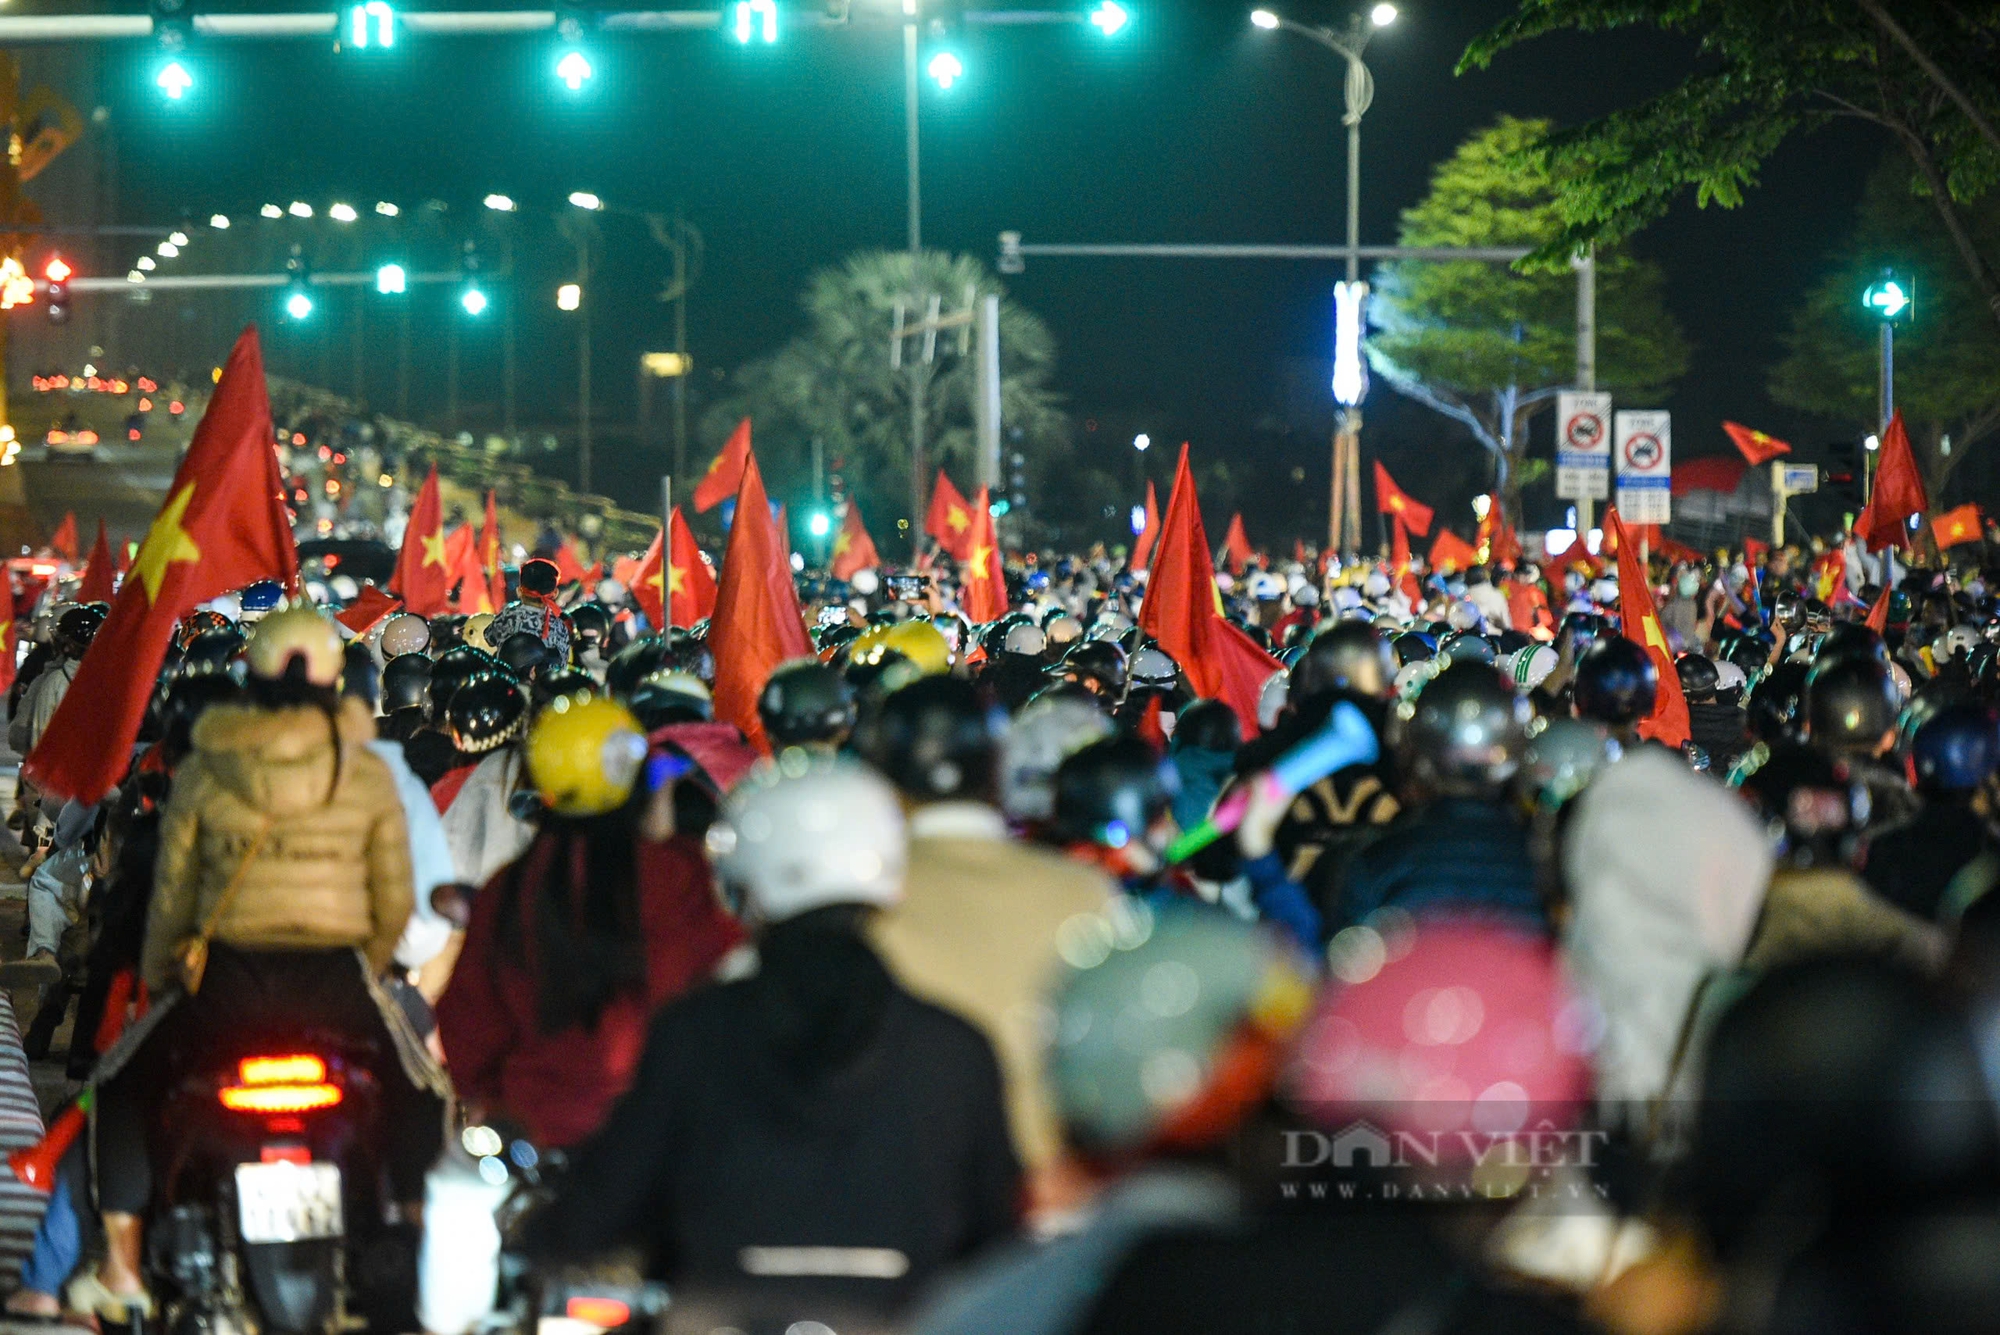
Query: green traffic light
<point x="756" y="20"/>
<point x="1888" y="298"/>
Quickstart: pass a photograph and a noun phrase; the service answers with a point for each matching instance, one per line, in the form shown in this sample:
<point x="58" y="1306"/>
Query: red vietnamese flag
<point x="1401" y="574"/>
<point x="1898" y="494"/>
<point x="983" y="577"/>
<point x="1236" y="545"/>
<point x="1960" y="525"/>
<point x="648" y="587"/>
<point x="1506" y="548"/>
<point x="1878" y="615"/>
<point x="423" y="576"/>
<point x="10" y="635"/>
<point x="853" y="549"/>
<point x="64" y="542"/>
<point x="758" y="624"/>
<point x="98" y="584"/>
<point x="369" y="609"/>
<point x="1181" y="611"/>
<point x="1757" y="447"/>
<point x="689" y="584"/>
<point x="725" y="472"/>
<point x="1142" y="546"/>
<point x="1640" y="623"/>
<point x="1391" y="499"/>
<point x="223" y="526"/>
<point x="489" y="555"/>
<point x="949" y="518"/>
<point x="468" y="572"/>
<point x="569" y="569"/>
<point x="1450" y="553"/>
<point x="1717" y="472"/>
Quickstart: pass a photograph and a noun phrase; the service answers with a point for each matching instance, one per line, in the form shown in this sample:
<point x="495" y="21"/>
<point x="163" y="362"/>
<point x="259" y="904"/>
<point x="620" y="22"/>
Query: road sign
<point x="1643" y="453"/>
<point x="1583" y="446"/>
<point x="1798" y="479"/>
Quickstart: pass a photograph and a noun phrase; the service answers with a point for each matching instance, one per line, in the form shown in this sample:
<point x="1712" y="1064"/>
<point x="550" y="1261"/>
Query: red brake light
<point x="56" y="271"/>
<point x="293" y="1083"/>
<point x="299" y="1068"/>
<point x="608" y="1313"/>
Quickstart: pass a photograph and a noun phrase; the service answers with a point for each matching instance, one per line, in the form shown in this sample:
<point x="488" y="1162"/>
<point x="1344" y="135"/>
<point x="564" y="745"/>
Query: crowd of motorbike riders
<point x="912" y="1024"/>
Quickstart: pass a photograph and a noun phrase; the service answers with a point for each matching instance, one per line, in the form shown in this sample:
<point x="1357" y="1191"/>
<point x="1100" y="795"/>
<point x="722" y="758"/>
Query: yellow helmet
<point x="919" y="641"/>
<point x="299" y="633"/>
<point x="584" y="755"/>
<point x="474" y="630"/>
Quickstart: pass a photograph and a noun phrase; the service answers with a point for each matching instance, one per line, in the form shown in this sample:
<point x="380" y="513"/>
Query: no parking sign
<point x="1583" y="446"/>
<point x="1642" y="451"/>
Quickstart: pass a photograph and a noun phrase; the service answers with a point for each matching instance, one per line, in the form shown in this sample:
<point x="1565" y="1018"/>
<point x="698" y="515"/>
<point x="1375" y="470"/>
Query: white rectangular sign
<point x="1798" y="479"/>
<point x="1642" y="451"/>
<point x="1583" y="446"/>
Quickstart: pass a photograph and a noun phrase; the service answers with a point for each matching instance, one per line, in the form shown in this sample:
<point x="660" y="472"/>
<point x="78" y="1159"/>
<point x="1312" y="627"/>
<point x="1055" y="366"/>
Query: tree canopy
<point x="1947" y="358"/>
<point x="833" y="382"/>
<point x="1928" y="75"/>
<point x="1490" y="346"/>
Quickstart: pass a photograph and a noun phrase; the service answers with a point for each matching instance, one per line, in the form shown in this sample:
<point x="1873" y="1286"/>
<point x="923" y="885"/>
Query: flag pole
<point x="666" y="548"/>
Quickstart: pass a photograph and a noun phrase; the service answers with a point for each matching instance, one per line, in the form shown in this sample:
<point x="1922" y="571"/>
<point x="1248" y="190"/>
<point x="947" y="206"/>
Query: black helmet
<point x="539" y="576"/>
<point x="184" y="699"/>
<point x="689" y="652"/>
<point x="1152" y="669"/>
<point x="213" y="650"/>
<point x="197" y="621"/>
<point x="667" y="698"/>
<point x="592" y="624"/>
<point x="1815" y="1061"/>
<point x="1346" y="656"/>
<point x="1208" y="725"/>
<point x="77" y="627"/>
<point x="451" y="670"/>
<point x="1957" y="749"/>
<point x="1748" y="652"/>
<point x="1112" y="792"/>
<point x="524" y="654"/>
<point x="485" y="711"/>
<point x="1412" y="647"/>
<point x="1616" y="682"/>
<point x="1850" y="704"/>
<point x="1583" y="629"/>
<point x="1852" y="639"/>
<point x="1699" y="678"/>
<point x="359" y="677"/>
<point x="936" y="738"/>
<point x="1464" y="734"/>
<point x="1104" y="660"/>
<point x="634" y="663"/>
<point x="406" y="682"/>
<point x="1466" y="647"/>
<point x="564" y="681"/>
<point x="806" y="701"/>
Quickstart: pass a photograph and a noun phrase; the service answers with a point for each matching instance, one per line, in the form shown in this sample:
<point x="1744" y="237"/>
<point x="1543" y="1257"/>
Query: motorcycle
<point x="271" y="1211"/>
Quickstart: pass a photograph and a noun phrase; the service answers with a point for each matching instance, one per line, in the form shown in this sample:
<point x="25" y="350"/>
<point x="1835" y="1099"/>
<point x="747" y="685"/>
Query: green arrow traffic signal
<point x="1888" y="298"/>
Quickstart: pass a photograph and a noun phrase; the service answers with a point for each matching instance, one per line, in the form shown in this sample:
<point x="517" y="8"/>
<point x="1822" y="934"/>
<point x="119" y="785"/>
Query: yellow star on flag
<point x="166" y="542"/>
<point x="1397" y="503"/>
<point x="980" y="555"/>
<point x="434" y="547"/>
<point x="676" y="580"/>
<point x="841" y="542"/>
<point x="1655" y="638"/>
<point x="957" y="519"/>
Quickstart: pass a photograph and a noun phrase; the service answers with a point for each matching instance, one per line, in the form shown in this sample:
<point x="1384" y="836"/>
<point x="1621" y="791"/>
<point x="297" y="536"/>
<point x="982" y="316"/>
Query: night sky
<point x="1191" y="126"/>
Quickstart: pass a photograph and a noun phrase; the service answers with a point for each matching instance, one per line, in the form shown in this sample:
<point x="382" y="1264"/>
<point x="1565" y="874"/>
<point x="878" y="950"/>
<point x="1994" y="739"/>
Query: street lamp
<point x="474" y="301"/>
<point x="583" y="199"/>
<point x="568" y="297"/>
<point x="1351" y="297"/>
<point x="500" y="203"/>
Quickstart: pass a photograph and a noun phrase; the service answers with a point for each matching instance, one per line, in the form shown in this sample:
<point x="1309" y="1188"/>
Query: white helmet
<point x="1604" y="592"/>
<point x="1463" y="616"/>
<point x="865" y="582"/>
<point x="1272" y="698"/>
<point x="1037" y="742"/>
<point x="806" y="833"/>
<point x="1266" y="587"/>
<point x="1530" y="667"/>
<point x="611" y="592"/>
<point x="1026" y="638"/>
<point x="1375" y="586"/>
<point x="344" y="588"/>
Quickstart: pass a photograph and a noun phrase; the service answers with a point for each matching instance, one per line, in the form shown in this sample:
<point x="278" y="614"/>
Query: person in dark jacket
<point x="811" y="1141"/>
<point x="1947" y="855"/>
<point x="1719" y="729"/>
<point x="1460" y="848"/>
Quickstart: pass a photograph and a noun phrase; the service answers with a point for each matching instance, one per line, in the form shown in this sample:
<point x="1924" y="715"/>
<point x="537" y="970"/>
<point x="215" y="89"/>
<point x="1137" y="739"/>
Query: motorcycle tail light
<point x="607" y="1313"/>
<point x="292" y="1083"/>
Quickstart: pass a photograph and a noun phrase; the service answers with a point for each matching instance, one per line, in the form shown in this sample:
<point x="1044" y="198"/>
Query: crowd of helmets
<point x="1750" y="987"/>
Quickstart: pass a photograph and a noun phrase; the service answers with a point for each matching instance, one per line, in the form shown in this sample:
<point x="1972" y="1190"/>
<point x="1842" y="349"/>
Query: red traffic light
<point x="57" y="270"/>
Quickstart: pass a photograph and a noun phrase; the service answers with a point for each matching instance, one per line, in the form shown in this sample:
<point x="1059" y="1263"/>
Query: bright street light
<point x="819" y="525"/>
<point x="271" y="211"/>
<point x="1142" y="442"/>
<point x="220" y="222"/>
<point x="501" y="204"/>
<point x="145" y="262"/>
<point x="574" y="70"/>
<point x="386" y="209"/>
<point x="1263" y="18"/>
<point x="1382" y="15"/>
<point x="569" y="296"/>
<point x="390" y="280"/>
<point x="342" y="213"/>
<point x="474" y="301"/>
<point x="168" y="250"/>
<point x="174" y="80"/>
<point x="298" y="305"/>
<point x="179" y="238"/>
<point x="947" y="69"/>
<point x="583" y="199"/>
<point x="1109" y="18"/>
<point x="300" y="209"/>
<point x="756" y="19"/>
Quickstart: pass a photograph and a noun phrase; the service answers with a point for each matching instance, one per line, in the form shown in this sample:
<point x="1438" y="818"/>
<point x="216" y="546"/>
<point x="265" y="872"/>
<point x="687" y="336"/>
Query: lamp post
<point x="1351" y="299"/>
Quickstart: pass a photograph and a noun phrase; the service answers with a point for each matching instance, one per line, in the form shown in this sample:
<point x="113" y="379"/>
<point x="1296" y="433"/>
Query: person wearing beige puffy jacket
<point x="283" y="844"/>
